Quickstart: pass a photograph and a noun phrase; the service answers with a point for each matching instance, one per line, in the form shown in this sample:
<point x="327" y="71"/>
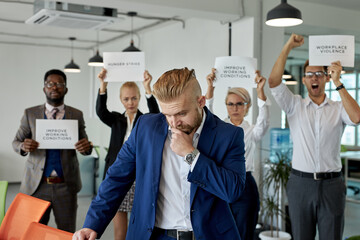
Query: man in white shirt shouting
<point x="316" y="189"/>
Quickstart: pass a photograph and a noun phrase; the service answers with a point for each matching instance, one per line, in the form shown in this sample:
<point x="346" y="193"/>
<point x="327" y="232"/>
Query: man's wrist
<point x="339" y="87"/>
<point x="190" y="157"/>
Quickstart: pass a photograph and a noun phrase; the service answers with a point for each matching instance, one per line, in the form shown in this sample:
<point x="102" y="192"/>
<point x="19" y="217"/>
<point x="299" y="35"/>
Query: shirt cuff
<point x="261" y="102"/>
<point x="102" y="93"/>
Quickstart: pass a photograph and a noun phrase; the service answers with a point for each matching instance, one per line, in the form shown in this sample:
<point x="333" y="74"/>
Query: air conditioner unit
<point x="68" y="15"/>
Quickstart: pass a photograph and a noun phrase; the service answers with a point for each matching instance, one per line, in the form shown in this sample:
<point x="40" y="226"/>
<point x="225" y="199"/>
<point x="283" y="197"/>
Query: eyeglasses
<point x="58" y="85"/>
<point x="317" y="74"/>
<point x="238" y="104"/>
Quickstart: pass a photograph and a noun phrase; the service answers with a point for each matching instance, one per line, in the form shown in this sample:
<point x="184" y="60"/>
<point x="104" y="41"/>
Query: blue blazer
<point x="217" y="179"/>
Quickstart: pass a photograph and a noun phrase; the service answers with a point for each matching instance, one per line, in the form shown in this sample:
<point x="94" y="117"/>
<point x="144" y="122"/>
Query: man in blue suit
<point x="188" y="165"/>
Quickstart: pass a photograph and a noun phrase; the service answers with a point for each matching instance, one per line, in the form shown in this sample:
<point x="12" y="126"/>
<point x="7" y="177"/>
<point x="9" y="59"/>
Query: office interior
<point x="184" y="33"/>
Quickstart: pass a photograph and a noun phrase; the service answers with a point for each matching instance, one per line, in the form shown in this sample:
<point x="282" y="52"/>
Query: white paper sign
<point x="325" y="49"/>
<point x="124" y="66"/>
<point x="57" y="134"/>
<point x="236" y="71"/>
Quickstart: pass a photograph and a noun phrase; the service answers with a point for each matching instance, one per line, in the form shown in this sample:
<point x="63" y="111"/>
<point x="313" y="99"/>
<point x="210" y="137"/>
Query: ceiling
<point x="14" y="30"/>
<point x="13" y="14"/>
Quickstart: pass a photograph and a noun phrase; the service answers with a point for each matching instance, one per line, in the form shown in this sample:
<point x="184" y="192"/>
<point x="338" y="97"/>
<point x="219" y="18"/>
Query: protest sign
<point x="236" y="71"/>
<point x="325" y="49"/>
<point x="57" y="134"/>
<point x="124" y="66"/>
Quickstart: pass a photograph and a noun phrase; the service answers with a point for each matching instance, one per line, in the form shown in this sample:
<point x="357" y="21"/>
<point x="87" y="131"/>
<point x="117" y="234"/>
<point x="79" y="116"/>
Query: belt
<point x="52" y="180"/>
<point x="177" y="234"/>
<point x="316" y="176"/>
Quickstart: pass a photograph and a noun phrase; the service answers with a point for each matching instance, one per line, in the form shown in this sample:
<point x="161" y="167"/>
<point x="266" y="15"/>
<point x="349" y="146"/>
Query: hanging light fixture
<point x="96" y="60"/>
<point x="283" y="15"/>
<point x="290" y="81"/>
<point x="72" y="66"/>
<point x="131" y="48"/>
<point x="286" y="75"/>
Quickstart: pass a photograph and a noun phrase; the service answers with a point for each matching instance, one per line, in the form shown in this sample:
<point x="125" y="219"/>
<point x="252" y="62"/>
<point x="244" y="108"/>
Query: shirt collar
<point x="126" y="115"/>
<point x="50" y="107"/>
<point x="198" y="131"/>
<point x="308" y="101"/>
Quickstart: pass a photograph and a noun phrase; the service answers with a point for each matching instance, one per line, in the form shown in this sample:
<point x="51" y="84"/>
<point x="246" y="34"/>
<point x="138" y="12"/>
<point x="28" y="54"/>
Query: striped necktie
<point x="54" y="112"/>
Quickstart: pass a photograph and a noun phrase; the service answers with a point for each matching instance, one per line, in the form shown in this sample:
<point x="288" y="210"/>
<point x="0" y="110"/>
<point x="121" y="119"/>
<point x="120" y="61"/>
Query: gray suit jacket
<point x="36" y="161"/>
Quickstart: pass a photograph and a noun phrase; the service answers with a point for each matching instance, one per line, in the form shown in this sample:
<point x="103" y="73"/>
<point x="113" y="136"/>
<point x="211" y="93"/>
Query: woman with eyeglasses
<point x="238" y="103"/>
<point x="121" y="126"/>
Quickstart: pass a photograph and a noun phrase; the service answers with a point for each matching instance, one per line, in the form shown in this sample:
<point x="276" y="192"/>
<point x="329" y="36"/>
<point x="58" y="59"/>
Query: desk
<point x="351" y="157"/>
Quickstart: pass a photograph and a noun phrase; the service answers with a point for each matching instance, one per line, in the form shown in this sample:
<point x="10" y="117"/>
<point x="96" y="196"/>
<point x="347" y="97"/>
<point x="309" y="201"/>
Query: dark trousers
<point x="316" y="202"/>
<point x="63" y="204"/>
<point x="246" y="209"/>
<point x="159" y="236"/>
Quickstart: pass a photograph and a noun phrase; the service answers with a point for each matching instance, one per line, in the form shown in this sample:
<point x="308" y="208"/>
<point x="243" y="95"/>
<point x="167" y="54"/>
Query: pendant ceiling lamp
<point x="286" y="75"/>
<point x="131" y="48"/>
<point x="97" y="60"/>
<point x="284" y="15"/>
<point x="72" y="66"/>
<point x="290" y="81"/>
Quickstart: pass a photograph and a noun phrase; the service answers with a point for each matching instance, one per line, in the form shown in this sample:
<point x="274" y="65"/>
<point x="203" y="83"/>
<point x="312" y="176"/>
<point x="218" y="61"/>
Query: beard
<point x="186" y="128"/>
<point x="55" y="101"/>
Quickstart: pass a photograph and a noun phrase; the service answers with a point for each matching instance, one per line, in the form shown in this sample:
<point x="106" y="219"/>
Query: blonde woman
<point x="238" y="103"/>
<point x="121" y="125"/>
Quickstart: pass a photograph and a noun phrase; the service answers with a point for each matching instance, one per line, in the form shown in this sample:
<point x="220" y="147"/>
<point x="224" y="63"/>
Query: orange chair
<point x="38" y="231"/>
<point x="23" y="210"/>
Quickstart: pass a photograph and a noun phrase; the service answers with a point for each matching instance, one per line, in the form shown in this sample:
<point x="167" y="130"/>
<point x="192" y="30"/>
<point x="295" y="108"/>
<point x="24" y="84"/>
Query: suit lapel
<point x="40" y="112"/>
<point x="68" y="113"/>
<point x="206" y="141"/>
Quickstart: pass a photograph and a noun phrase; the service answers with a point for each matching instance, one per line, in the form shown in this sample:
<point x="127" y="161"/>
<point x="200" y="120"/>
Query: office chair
<point x="23" y="210"/>
<point x="38" y="231"/>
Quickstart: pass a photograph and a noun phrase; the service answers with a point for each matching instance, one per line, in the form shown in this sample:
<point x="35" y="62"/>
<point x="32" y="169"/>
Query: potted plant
<point x="275" y="179"/>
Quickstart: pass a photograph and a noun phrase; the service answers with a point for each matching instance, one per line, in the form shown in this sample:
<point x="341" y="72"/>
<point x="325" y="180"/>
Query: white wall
<point x="196" y="47"/>
<point x="166" y="47"/>
<point x="23" y="69"/>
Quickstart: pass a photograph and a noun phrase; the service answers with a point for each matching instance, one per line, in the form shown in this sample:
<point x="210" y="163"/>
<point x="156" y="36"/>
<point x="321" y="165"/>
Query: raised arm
<point x="151" y="101"/>
<point x="103" y="84"/>
<point x="147" y="81"/>
<point x="260" y="83"/>
<point x="351" y="106"/>
<point x="210" y="90"/>
<point x="263" y="120"/>
<point x="101" y="108"/>
<point x="210" y="81"/>
<point x="278" y="69"/>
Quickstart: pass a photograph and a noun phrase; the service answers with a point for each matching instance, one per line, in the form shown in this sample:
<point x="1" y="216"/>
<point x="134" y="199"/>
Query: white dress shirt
<point x="129" y="126"/>
<point x="316" y="130"/>
<point x="252" y="133"/>
<point x="60" y="114"/>
<point x="173" y="203"/>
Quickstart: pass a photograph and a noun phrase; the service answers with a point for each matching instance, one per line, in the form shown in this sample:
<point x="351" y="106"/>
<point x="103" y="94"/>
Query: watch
<point x="189" y="158"/>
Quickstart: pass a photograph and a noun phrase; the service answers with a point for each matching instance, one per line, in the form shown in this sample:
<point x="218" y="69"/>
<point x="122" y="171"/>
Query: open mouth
<point x="314" y="86"/>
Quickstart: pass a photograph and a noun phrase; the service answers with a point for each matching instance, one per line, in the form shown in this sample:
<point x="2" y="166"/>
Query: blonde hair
<point x="241" y="92"/>
<point x="130" y="85"/>
<point x="173" y="83"/>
